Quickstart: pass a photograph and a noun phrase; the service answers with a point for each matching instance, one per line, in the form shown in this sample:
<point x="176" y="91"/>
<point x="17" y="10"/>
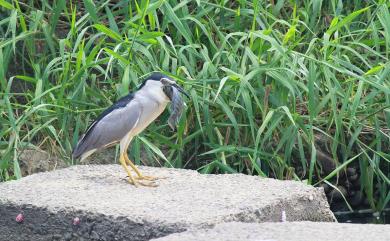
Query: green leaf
<point x="111" y="20"/>
<point x="150" y="37"/>
<point x="336" y="25"/>
<point x="290" y="34"/>
<point x="91" y="8"/>
<point x="108" y="32"/>
<point x="6" y="4"/>
<point x="60" y="5"/>
<point x="117" y="56"/>
<point x="221" y="84"/>
<point x="124" y="90"/>
<point x="375" y="69"/>
<point x="154" y="148"/>
<point x="170" y="14"/>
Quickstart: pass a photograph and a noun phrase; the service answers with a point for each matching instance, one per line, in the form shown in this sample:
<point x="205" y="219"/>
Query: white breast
<point x="153" y="101"/>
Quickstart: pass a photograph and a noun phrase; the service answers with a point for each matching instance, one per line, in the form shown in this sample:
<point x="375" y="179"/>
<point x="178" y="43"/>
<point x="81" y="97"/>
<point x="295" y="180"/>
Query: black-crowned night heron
<point x="128" y="117"/>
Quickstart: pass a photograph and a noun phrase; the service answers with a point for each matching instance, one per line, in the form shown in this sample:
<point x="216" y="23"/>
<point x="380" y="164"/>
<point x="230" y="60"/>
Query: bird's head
<point x="159" y="84"/>
<point x="169" y="84"/>
<point x="166" y="83"/>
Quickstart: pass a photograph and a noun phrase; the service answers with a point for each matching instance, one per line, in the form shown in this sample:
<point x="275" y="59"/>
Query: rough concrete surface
<point x="109" y="208"/>
<point x="286" y="231"/>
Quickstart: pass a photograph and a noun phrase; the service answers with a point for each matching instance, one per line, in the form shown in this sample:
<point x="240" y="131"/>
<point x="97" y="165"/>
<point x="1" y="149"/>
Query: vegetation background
<point x="286" y="89"/>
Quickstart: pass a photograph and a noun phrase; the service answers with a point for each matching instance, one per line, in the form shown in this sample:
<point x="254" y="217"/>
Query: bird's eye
<point x="166" y="81"/>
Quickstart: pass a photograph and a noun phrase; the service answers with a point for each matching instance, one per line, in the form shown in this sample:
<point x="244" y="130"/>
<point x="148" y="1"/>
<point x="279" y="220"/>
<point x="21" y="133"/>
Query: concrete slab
<point x="287" y="231"/>
<point x="110" y="209"/>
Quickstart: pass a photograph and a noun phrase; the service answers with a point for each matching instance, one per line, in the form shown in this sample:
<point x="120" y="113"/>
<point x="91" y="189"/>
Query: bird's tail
<point x="79" y="149"/>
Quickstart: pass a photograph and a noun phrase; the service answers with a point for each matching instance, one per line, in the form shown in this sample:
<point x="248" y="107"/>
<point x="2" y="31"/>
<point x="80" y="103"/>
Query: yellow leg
<point x="140" y="176"/>
<point x="132" y="180"/>
<point x="122" y="160"/>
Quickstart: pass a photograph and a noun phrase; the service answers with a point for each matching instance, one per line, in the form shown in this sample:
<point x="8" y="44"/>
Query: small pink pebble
<point x="76" y="221"/>
<point x="19" y="218"/>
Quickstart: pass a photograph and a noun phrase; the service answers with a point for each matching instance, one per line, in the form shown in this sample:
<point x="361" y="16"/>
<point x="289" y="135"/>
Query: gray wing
<point x="110" y="129"/>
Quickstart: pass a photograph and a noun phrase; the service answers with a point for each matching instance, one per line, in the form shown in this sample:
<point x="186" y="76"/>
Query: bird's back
<point x="110" y="126"/>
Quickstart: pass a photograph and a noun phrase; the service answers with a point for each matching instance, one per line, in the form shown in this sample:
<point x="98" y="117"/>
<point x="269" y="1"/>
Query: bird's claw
<point x="149" y="178"/>
<point x="148" y="184"/>
<point x="142" y="182"/>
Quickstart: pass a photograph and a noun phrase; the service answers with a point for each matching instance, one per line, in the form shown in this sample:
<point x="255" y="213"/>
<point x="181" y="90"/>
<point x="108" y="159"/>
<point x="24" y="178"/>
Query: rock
<point x="355" y="180"/>
<point x="356" y="198"/>
<point x="351" y="171"/>
<point x="348" y="186"/>
<point x="326" y="161"/>
<point x="106" y="156"/>
<point x="336" y="195"/>
<point x="288" y="231"/>
<point x="109" y="208"/>
<point x="325" y="187"/>
<point x="36" y="160"/>
<point x="354" y="177"/>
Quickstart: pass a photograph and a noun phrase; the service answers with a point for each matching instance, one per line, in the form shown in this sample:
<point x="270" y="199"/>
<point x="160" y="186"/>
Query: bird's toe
<point x="149" y="178"/>
<point x="147" y="183"/>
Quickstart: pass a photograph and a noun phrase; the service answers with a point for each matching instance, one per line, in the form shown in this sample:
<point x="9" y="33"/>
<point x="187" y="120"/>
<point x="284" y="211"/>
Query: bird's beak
<point x="179" y="88"/>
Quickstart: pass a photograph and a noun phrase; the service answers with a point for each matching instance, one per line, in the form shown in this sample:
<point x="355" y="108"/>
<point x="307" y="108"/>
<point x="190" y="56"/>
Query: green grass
<point x="266" y="79"/>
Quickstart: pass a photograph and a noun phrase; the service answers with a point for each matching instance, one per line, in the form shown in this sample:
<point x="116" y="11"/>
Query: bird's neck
<point x="154" y="92"/>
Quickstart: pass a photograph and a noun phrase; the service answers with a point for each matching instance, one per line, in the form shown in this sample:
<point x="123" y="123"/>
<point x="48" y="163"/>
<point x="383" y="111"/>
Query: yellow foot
<point x="142" y="182"/>
<point x="148" y="183"/>
<point x="133" y="182"/>
<point x="149" y="178"/>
